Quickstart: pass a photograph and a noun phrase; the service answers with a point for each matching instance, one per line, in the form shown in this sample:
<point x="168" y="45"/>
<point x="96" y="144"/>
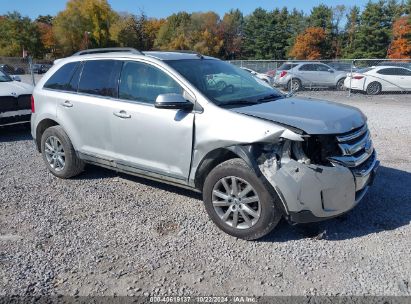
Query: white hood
<point x="15" y="88"/>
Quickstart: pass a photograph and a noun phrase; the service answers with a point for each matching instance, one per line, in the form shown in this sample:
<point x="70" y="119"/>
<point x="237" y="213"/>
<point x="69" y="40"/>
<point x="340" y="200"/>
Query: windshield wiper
<point x="238" y="102"/>
<point x="270" y="97"/>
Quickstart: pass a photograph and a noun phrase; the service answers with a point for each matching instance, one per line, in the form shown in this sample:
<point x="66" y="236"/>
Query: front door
<point x="147" y="139"/>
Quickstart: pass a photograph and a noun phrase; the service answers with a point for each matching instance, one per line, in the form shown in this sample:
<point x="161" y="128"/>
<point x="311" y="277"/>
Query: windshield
<point x="4" y="77"/>
<point x="223" y="83"/>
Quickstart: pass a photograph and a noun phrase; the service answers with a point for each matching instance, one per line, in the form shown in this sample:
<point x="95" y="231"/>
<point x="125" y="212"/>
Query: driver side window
<point x="143" y="83"/>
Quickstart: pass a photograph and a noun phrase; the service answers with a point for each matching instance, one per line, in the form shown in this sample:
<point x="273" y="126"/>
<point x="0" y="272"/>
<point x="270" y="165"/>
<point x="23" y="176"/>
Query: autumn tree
<point x="84" y="23"/>
<point x="310" y="44"/>
<point x="400" y="46"/>
<point x="231" y="33"/>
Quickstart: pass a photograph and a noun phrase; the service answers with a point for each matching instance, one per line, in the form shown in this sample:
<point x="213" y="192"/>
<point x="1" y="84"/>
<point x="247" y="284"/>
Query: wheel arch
<point x="220" y="155"/>
<point x="41" y="127"/>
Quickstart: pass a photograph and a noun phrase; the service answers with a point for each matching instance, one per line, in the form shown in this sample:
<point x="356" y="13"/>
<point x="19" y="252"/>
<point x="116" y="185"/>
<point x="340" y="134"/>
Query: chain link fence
<point x="366" y="76"/>
<point x="25" y="69"/>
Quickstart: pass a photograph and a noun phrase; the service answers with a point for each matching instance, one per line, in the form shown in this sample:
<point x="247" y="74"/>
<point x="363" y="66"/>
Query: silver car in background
<point x="255" y="154"/>
<point x="264" y="77"/>
<point x="297" y="76"/>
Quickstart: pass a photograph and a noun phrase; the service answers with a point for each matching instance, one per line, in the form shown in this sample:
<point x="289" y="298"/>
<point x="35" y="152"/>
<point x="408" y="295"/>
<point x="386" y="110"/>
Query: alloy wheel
<point x="54" y="152"/>
<point x="236" y="202"/>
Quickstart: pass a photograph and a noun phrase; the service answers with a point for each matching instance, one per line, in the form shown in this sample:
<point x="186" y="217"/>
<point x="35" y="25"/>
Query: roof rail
<point x="188" y="52"/>
<point x="108" y="50"/>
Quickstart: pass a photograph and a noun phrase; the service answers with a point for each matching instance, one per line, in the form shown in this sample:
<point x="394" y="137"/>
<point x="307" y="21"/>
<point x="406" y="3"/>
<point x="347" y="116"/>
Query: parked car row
<point x="12" y="70"/>
<point x="294" y="76"/>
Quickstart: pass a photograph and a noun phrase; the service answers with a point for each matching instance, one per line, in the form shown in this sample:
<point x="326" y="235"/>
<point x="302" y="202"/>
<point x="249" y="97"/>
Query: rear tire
<point x="294" y="85"/>
<point x="374" y="88"/>
<point x="59" y="154"/>
<point x="246" y="220"/>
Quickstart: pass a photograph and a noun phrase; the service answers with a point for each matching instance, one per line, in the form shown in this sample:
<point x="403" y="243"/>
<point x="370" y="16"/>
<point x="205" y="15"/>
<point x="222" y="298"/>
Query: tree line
<point x="381" y="29"/>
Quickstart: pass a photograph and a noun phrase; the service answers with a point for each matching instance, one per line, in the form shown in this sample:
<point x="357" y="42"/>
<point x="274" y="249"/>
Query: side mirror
<point x="172" y="101"/>
<point x="331" y="70"/>
<point x="16" y="78"/>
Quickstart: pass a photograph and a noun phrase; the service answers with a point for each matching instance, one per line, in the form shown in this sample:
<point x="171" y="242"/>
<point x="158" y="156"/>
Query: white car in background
<point x="15" y="100"/>
<point x="377" y="79"/>
<point x="268" y="79"/>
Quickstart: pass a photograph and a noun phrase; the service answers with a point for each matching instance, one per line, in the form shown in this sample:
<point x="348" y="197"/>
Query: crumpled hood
<point x="15" y="88"/>
<point x="310" y="115"/>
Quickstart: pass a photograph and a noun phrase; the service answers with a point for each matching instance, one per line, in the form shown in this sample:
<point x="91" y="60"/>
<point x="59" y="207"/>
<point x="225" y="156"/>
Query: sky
<point x="164" y="8"/>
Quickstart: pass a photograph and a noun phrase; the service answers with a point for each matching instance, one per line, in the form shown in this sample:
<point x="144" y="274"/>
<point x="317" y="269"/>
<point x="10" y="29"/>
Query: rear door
<point x="85" y="111"/>
<point x="308" y="74"/>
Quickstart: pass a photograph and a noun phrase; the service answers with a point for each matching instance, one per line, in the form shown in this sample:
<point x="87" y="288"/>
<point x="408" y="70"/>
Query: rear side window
<point x="392" y="71"/>
<point x="322" y="68"/>
<point x="287" y="66"/>
<point x="100" y="77"/>
<point x="308" y="67"/>
<point x="61" y="78"/>
<point x="143" y="82"/>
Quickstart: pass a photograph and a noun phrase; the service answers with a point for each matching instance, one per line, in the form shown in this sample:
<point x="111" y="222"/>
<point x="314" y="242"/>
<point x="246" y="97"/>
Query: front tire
<point x="238" y="202"/>
<point x="340" y="85"/>
<point x="59" y="154"/>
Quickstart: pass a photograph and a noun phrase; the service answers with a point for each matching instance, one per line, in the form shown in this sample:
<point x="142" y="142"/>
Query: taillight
<point x="32" y="104"/>
<point x="283" y="73"/>
<point x="358" y="77"/>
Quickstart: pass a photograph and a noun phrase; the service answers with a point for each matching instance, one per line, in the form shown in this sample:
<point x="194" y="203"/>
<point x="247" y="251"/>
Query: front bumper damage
<point x="311" y="193"/>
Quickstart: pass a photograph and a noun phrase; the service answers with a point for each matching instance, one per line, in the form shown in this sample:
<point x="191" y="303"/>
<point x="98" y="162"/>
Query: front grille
<point x="24" y="102"/>
<point x="356" y="147"/>
<point x="357" y="153"/>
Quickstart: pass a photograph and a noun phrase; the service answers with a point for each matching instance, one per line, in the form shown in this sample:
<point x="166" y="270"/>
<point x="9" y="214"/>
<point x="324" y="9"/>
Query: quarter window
<point x="100" y="77"/>
<point x="143" y="82"/>
<point x="61" y="78"/>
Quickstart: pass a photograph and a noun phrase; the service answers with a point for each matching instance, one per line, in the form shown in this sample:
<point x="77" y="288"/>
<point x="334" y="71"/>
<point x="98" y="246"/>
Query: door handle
<point x="122" y="114"/>
<point x="67" y="104"/>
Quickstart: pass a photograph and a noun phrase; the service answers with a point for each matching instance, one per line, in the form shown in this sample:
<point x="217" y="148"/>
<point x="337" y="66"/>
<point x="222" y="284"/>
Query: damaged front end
<point x="320" y="177"/>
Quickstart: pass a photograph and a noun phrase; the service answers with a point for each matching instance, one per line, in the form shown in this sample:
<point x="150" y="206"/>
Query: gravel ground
<point x="104" y="234"/>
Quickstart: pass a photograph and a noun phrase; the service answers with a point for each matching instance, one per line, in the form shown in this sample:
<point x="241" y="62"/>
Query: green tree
<point x="129" y="30"/>
<point x="351" y="31"/>
<point x="322" y="17"/>
<point x="175" y="28"/>
<point x="84" y="23"/>
<point x="19" y="33"/>
<point x="374" y="32"/>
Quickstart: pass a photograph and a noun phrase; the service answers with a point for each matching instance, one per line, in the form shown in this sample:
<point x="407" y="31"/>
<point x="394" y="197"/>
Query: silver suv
<point x="255" y="154"/>
<point x="295" y="76"/>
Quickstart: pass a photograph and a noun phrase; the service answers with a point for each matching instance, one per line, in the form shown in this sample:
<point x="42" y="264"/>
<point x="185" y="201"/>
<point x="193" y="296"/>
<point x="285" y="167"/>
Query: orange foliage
<point x="46" y="32"/>
<point x="400" y="46"/>
<point x="308" y="45"/>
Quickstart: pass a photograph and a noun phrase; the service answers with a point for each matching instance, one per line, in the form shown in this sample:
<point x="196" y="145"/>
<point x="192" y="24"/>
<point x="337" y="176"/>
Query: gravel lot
<point x="105" y="234"/>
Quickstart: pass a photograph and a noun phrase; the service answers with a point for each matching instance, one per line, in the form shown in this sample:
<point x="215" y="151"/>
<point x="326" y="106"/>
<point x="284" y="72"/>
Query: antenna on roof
<point x="108" y="50"/>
